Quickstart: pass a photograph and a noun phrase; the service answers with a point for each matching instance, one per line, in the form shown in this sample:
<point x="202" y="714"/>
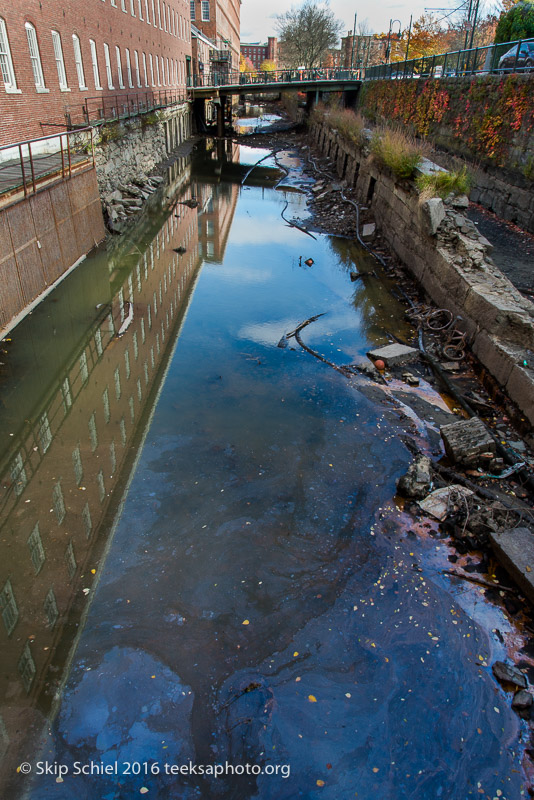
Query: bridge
<point x="218" y="87"/>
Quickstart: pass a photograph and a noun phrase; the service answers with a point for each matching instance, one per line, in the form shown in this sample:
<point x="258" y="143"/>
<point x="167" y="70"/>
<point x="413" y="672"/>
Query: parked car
<point x="525" y="59"/>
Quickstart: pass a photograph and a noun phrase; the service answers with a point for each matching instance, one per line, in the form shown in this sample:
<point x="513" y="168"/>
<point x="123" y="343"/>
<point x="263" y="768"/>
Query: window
<point x="18" y="474"/>
<point x="35" y="57"/>
<point x="77" y="464"/>
<point x="94" y="61"/>
<point x="123" y="6"/>
<point x="37" y="553"/>
<point x="144" y="69"/>
<point x="60" y="64"/>
<point x="159" y="15"/>
<point x="146" y="10"/>
<point x="157" y="71"/>
<point x="45" y="433"/>
<point x="127" y="364"/>
<point x="84" y="369"/>
<point x="205" y="10"/>
<point x="70" y="558"/>
<point x="58" y="503"/>
<point x="137" y="73"/>
<point x="78" y="61"/>
<point x="122" y="426"/>
<point x="87" y="522"/>
<point x="113" y="457"/>
<point x="6" y="63"/>
<point x="117" y="376"/>
<point x="108" y="67"/>
<point x="93" y="436"/>
<point x="192" y="7"/>
<point x="119" y="67"/>
<point x="67" y="395"/>
<point x="129" y="68"/>
<point x="132" y="8"/>
<point x="26" y="667"/>
<point x="151" y="69"/>
<point x="50" y="608"/>
<point x="98" y="342"/>
<point x="101" y="486"/>
<point x="164" y="17"/>
<point x="153" y="14"/>
<point x="140" y="3"/>
<point x="8" y="606"/>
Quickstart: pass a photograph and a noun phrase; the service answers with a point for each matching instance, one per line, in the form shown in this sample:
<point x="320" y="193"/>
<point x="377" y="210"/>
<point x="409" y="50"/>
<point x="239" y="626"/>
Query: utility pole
<point x="409" y="35"/>
<point x="473" y="24"/>
<point x="353" y="38"/>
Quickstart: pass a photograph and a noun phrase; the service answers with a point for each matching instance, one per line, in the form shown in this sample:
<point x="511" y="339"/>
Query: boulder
<point x="508" y="673"/>
<point x="433" y="212"/>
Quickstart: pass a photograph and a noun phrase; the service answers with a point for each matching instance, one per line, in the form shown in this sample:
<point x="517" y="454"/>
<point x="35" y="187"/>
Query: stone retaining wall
<point x="451" y="261"/>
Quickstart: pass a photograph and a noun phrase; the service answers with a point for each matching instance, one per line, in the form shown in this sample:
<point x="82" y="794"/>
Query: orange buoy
<point x="379" y="364"/>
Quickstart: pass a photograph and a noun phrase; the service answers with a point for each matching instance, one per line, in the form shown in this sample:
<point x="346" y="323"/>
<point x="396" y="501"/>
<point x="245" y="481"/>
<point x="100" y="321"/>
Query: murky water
<point x="255" y="119"/>
<point x="200" y="558"/>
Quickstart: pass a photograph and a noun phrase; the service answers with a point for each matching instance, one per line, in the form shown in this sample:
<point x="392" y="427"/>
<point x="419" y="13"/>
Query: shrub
<point x="398" y="152"/>
<point x="443" y="184"/>
<point x="517" y="23"/>
<point x="349" y="124"/>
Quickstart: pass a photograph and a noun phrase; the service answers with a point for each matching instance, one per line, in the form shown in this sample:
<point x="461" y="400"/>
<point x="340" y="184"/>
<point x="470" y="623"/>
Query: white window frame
<point x="123" y="6"/>
<point x="60" y="61"/>
<point x="78" y="61"/>
<point x="192" y="9"/>
<point x="153" y="14"/>
<point x="35" y="58"/>
<point x="132" y="7"/>
<point x="164" y="18"/>
<point x="147" y="13"/>
<point x="204" y="4"/>
<point x="94" y="62"/>
<point x="137" y="73"/>
<point x="6" y="62"/>
<point x="151" y="62"/>
<point x="144" y="68"/>
<point x="159" y="15"/>
<point x="119" y="66"/>
<point x="158" y="75"/>
<point x="129" y="68"/>
<point x="140" y="4"/>
<point x="107" y="59"/>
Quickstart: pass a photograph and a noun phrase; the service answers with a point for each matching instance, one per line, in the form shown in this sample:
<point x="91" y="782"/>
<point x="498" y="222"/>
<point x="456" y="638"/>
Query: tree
<point x="267" y="65"/>
<point x="517" y="23"/>
<point x="306" y="33"/>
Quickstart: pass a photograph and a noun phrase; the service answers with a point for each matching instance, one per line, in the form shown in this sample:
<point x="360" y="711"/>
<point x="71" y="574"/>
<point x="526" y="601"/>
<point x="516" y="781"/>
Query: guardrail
<point x="234" y="78"/>
<point x="129" y="104"/>
<point x="29" y="166"/>
<point x="507" y="57"/>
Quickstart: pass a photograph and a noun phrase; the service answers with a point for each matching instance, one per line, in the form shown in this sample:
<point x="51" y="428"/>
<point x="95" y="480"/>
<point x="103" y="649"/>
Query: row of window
<point x="162" y="70"/>
<point x="167" y="18"/>
<point x="204" y="10"/>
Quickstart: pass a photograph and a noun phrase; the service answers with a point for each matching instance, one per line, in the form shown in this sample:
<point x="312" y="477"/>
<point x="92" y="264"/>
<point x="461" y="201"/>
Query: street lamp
<point x="388" y="45"/>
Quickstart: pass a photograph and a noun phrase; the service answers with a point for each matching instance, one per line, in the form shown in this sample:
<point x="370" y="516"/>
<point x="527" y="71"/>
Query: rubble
<point x="442" y="502"/>
<point x="393" y="354"/>
<point x="417" y="481"/>
<point x="515" y="550"/>
<point x="467" y="441"/>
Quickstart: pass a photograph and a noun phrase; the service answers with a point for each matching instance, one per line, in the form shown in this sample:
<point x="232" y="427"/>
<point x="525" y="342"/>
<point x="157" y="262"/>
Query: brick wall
<point x="30" y="113"/>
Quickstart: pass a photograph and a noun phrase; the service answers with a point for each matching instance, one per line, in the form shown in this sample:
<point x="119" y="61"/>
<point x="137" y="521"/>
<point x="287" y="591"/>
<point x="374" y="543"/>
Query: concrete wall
<point x="449" y="258"/>
<point x="42" y="237"/>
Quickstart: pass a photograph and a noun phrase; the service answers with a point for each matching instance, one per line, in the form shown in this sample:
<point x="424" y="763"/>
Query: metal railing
<point x="508" y="57"/>
<point x="233" y="78"/>
<point x="108" y="108"/>
<point x="29" y="166"/>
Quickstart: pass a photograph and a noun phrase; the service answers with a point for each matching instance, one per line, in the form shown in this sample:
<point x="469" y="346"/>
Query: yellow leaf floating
<point x="312" y="698"/>
<point x="375" y="769"/>
<point x="320" y="783"/>
<point x="295" y="654"/>
<point x="245" y="622"/>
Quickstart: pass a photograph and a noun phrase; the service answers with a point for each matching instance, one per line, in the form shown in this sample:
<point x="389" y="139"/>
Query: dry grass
<point x="442" y="184"/>
<point x="398" y="152"/>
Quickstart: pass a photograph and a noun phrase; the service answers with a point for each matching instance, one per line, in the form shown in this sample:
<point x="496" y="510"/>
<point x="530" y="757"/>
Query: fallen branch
<point x="293" y="224"/>
<point x="253" y="167"/>
<point x="479" y="581"/>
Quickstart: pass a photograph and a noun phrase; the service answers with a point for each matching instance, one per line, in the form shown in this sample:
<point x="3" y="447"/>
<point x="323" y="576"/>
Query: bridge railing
<point x="502" y="58"/>
<point x="233" y="78"/>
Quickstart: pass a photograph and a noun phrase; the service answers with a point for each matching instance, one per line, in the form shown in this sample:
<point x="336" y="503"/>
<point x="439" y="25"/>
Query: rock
<point x="433" y="212"/>
<point x="515" y="550"/>
<point x="368" y="232"/>
<point x="115" y="197"/>
<point x="508" y="673"/>
<point x="522" y="700"/>
<point x="394" y="354"/>
<point x="416" y="482"/>
<point x="133" y="201"/>
<point x="450" y="366"/>
<point x="466" y="440"/>
<point x="156" y="179"/>
<point x="459" y="201"/>
<point x="443" y="502"/>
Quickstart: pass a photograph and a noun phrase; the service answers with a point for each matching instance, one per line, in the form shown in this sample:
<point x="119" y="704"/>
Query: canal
<point x="202" y="560"/>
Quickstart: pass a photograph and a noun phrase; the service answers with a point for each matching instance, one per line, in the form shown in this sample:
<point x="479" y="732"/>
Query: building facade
<point x="363" y="50"/>
<point x="258" y="53"/>
<point x="219" y="21"/>
<point x="61" y="61"/>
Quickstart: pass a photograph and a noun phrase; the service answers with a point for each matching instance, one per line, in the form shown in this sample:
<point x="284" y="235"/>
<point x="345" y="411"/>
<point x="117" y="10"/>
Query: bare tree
<point x="306" y="33"/>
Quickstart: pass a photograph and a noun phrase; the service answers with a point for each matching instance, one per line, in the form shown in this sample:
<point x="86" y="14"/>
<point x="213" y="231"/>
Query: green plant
<point x="443" y="184"/>
<point x="395" y="150"/>
<point x="517" y="23"/>
<point x="152" y="118"/>
<point x="110" y="133"/>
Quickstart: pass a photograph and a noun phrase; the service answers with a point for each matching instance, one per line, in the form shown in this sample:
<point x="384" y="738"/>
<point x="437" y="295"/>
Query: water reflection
<point x="258" y="600"/>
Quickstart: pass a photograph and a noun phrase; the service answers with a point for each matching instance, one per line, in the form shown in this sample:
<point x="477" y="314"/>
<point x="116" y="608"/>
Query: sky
<point x="258" y="16"/>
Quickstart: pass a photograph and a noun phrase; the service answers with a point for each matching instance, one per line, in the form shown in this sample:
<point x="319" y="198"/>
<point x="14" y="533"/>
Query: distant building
<point x="368" y="50"/>
<point x="219" y="21"/>
<point x="59" y="62"/>
<point x="258" y="53"/>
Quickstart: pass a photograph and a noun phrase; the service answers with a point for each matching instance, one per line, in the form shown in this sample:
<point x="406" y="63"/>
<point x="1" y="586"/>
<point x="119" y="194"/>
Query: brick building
<point x="258" y="53"/>
<point x="368" y="50"/>
<point x="56" y="59"/>
<point x="219" y="21"/>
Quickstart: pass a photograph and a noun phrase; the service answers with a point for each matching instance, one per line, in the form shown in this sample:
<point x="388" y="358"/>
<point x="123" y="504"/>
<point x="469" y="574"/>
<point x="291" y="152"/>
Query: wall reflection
<point x="67" y="461"/>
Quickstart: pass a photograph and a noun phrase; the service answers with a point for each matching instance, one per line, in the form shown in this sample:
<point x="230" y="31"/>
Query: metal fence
<point x="507" y="57"/>
<point x="129" y="104"/>
<point x="233" y="78"/>
<point x="26" y="167"/>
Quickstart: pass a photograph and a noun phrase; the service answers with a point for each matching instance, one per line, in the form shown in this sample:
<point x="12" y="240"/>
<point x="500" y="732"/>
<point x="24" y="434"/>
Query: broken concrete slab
<point x="416" y="482"/>
<point x="393" y="354"/>
<point x="433" y="212"/>
<point x="465" y="441"/>
<point x="515" y="550"/>
<point x="442" y="502"/>
<point x="508" y="673"/>
<point x="368" y="232"/>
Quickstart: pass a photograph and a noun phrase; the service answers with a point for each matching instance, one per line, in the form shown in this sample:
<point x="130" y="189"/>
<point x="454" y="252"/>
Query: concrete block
<point x="466" y="440"/>
<point x="368" y="231"/>
<point x="394" y="354"/>
<point x="520" y="387"/>
<point x="433" y="213"/>
<point x="498" y="357"/>
<point x="515" y="551"/>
